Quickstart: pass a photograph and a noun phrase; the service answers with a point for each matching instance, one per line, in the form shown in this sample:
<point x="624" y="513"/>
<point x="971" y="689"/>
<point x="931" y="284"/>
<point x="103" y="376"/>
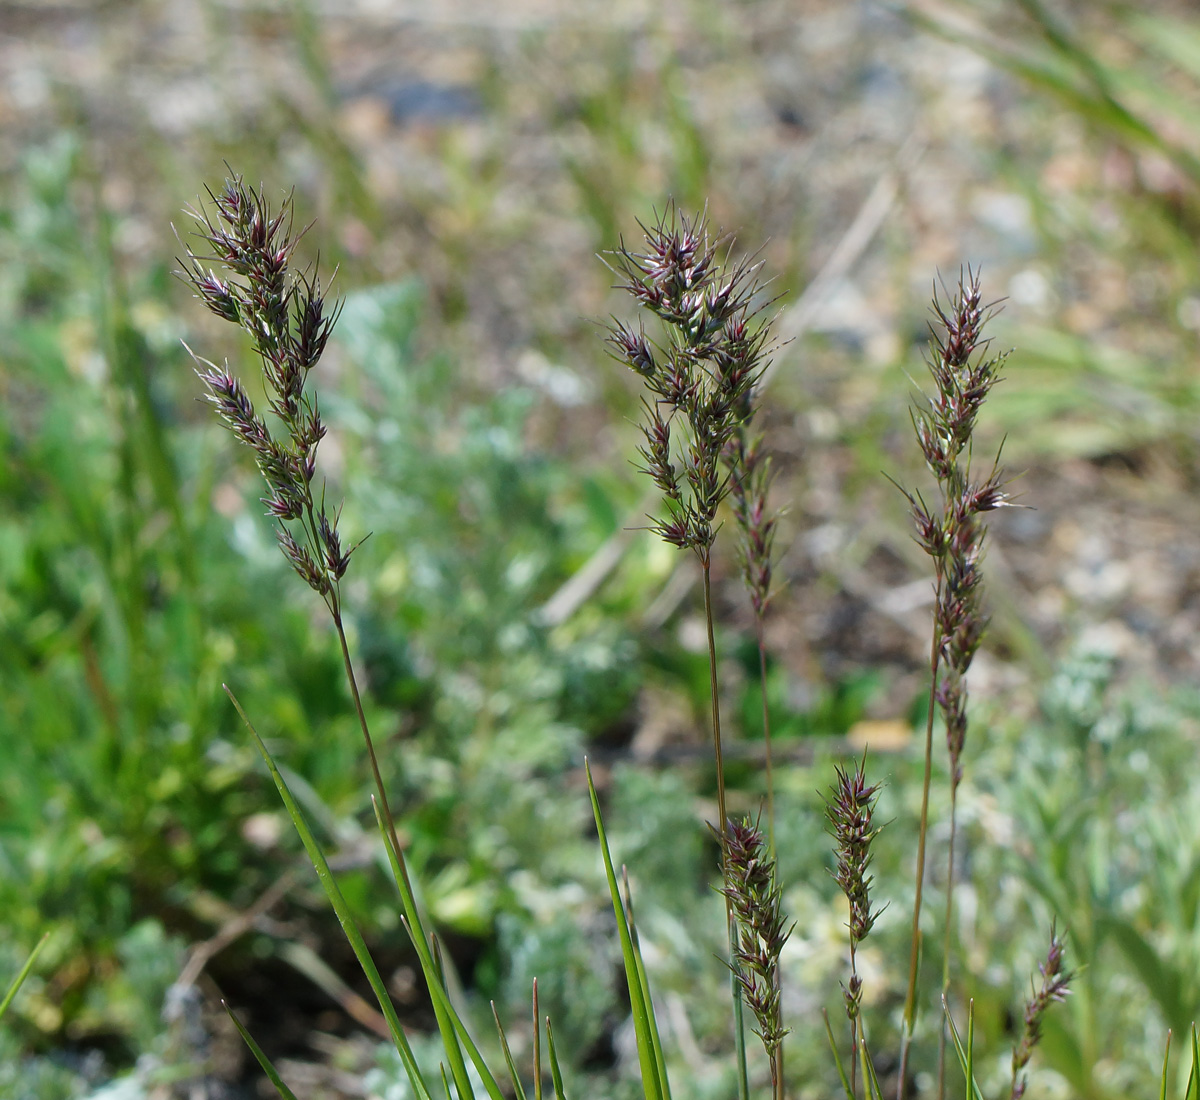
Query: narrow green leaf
<point x="659" y="1058"/>
<point x="878" y="1091"/>
<point x="260" y="1057"/>
<point x="837" y="1058"/>
<point x="1162" y="1092"/>
<point x="638" y="1003"/>
<point x="555" y="1072"/>
<point x="1193" y="1079"/>
<point x="518" y="1091"/>
<point x="537" y="1046"/>
<point x="430" y="967"/>
<point x="442" y="998"/>
<point x="342" y="909"/>
<point x="973" y="1088"/>
<point x="22" y="974"/>
<point x="970" y="1050"/>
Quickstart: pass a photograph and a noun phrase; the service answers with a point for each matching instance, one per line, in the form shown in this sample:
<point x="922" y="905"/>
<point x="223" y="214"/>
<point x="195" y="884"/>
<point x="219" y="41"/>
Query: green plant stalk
<point x="837" y="1058"/>
<point x="514" y="1076"/>
<point x="537" y="1046"/>
<point x="23" y="973"/>
<point x="443" y="1010"/>
<point x="387" y="826"/>
<point x="860" y="1041"/>
<point x="739" y="1028"/>
<point x="1162" y="1092"/>
<point x="1191" y="1081"/>
<point x="267" y="1067"/>
<point x="659" y="1057"/>
<point x="766" y="714"/>
<point x="854" y="1025"/>
<point x="914" y="964"/>
<point x="555" y="1070"/>
<point x="642" y="1008"/>
<point x="965" y="1060"/>
<point x="947" y="933"/>
<point x="340" y="907"/>
<point x="442" y="999"/>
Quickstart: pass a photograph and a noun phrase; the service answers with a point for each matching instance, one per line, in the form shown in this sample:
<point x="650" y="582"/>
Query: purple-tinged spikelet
<point x="287" y="316"/>
<point x="702" y="375"/>
<point x="755" y="899"/>
<point x="1056" y="982"/>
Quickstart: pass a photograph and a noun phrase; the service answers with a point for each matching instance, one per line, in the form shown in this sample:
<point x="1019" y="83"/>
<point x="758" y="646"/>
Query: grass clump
<point x="697" y="450"/>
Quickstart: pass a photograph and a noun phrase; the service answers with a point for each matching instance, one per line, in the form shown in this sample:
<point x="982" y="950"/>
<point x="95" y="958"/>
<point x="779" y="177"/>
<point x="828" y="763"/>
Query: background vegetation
<point x="464" y="166"/>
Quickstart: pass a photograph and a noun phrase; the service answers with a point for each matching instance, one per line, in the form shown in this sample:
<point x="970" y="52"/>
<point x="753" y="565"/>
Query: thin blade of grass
<point x="1192" y="1078"/>
<point x="442" y="998"/>
<point x="518" y="1091"/>
<point x="537" y="1046"/>
<point x="973" y="1092"/>
<point x="1162" y="1092"/>
<point x="22" y="974"/>
<point x="878" y="1091"/>
<point x="659" y="1059"/>
<point x="430" y="967"/>
<point x="837" y="1058"/>
<point x="641" y="1008"/>
<point x="260" y="1057"/>
<point x="970" y="1050"/>
<point x="341" y="908"/>
<point x="555" y="1071"/>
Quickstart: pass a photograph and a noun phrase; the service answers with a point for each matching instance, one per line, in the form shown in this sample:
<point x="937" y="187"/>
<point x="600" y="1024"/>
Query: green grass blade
<point x="739" y="1018"/>
<point x="837" y="1058"/>
<point x="1193" y="1079"/>
<point x="659" y="1059"/>
<point x="964" y="1062"/>
<point x="429" y="965"/>
<point x="1162" y="1092"/>
<point x="442" y="998"/>
<point x="555" y="1072"/>
<point x="970" y="1051"/>
<point x="537" y="1046"/>
<point x="22" y="974"/>
<point x="260" y="1057"/>
<point x="641" y="1007"/>
<point x="518" y="1091"/>
<point x="342" y="909"/>
<point x="874" y="1077"/>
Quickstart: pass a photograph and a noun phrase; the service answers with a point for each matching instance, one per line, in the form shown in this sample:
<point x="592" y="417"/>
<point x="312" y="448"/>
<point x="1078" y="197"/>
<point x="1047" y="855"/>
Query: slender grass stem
<point x="384" y="805"/>
<point x="739" y="1033"/>
<point x="854" y="1026"/>
<point x="947" y="934"/>
<point x="706" y="566"/>
<point x="914" y="964"/>
<point x="766" y="714"/>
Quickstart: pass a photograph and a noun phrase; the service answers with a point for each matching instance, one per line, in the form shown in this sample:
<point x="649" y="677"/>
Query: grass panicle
<point x="756" y="898"/>
<point x="850" y="810"/>
<point x="750" y="473"/>
<point x="952" y="533"/>
<point x="700" y="377"/>
<point x="1056" y="984"/>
